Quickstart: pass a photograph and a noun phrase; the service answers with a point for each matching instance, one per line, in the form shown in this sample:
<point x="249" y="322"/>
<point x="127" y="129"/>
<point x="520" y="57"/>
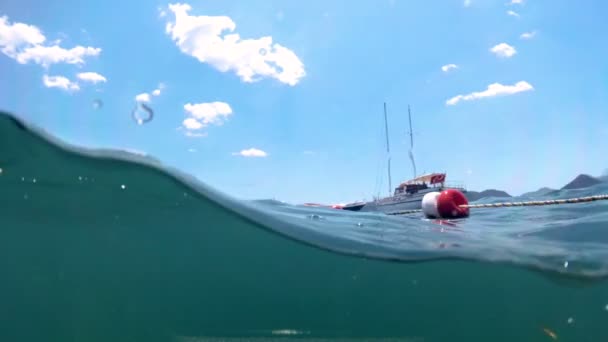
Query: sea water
<point x="100" y="245"/>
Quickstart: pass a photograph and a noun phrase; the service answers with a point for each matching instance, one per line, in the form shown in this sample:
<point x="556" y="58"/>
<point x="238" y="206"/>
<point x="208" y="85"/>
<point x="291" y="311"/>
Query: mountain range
<point x="579" y="182"/>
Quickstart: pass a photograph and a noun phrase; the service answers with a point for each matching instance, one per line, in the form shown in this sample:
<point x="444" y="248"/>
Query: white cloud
<point x="202" y="115"/>
<point x="494" y="89"/>
<point x="515" y="2"/>
<point x="92" y="77"/>
<point x="47" y="55"/>
<point x="503" y="50"/>
<point x="143" y="97"/>
<point x="14" y="36"/>
<point x="157" y="91"/>
<point x="528" y="35"/>
<point x="449" y="67"/>
<point x="192" y="124"/>
<point x="252" y="152"/>
<point x="161" y="12"/>
<point x="209" y="113"/>
<point x="251" y="59"/>
<point x="467" y="3"/>
<point x="513" y="14"/>
<point x="24" y="43"/>
<point x="195" y="134"/>
<point x="59" y="82"/>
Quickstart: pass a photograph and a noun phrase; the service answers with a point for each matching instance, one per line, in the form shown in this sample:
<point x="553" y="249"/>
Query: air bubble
<point x="570" y="320"/>
<point x="123" y="186"/>
<point x="566" y="264"/>
<point x="0" y="170"/>
<point x="142" y="113"/>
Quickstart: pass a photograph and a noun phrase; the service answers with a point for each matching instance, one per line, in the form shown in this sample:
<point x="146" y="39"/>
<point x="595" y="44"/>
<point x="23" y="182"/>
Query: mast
<point x="409" y="113"/>
<point x="388" y="151"/>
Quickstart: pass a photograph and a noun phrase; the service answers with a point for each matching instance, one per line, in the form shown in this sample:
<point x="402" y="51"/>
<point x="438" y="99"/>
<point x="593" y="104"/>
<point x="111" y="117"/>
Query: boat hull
<point x="394" y="204"/>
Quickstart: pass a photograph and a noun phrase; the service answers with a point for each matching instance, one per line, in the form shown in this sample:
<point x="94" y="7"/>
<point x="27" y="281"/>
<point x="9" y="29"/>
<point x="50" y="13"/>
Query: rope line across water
<point x="538" y="203"/>
<point x="519" y="204"/>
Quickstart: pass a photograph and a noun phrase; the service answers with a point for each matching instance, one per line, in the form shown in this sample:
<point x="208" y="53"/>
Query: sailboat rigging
<point x="408" y="195"/>
<point x="411" y="152"/>
<point x="388" y="151"/>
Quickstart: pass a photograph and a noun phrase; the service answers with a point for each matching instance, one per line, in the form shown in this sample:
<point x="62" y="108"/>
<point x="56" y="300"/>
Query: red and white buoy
<point x="445" y="204"/>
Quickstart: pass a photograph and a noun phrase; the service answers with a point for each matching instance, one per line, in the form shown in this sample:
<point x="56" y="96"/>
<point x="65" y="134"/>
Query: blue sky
<point x="525" y="105"/>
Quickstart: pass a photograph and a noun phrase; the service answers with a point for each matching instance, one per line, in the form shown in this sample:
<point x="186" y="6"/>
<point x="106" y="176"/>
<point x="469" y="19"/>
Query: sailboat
<point x="408" y="194"/>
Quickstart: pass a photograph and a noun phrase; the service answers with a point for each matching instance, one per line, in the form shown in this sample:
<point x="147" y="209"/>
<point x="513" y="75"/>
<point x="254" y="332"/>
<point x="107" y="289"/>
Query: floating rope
<point x="518" y="204"/>
<point x="538" y="203"/>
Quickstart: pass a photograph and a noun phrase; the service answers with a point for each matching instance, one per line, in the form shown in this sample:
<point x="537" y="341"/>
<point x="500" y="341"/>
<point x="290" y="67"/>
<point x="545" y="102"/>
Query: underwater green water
<point x="83" y="258"/>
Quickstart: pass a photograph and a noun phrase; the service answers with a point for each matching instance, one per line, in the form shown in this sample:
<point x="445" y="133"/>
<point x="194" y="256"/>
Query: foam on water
<point x="101" y="245"/>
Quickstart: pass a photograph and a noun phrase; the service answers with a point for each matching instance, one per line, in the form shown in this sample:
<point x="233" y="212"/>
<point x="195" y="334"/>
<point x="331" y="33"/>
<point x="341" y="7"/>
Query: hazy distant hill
<point x="475" y="195"/>
<point x="582" y="181"/>
<point x="539" y="193"/>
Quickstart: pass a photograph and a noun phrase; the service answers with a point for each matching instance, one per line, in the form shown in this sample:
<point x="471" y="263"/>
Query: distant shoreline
<point x="579" y="182"/>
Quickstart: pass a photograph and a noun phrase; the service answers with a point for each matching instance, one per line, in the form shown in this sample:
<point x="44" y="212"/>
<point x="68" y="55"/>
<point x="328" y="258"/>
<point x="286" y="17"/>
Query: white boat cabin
<point x="412" y="186"/>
